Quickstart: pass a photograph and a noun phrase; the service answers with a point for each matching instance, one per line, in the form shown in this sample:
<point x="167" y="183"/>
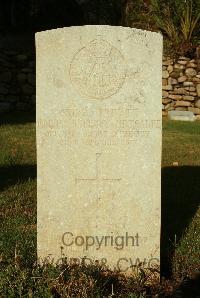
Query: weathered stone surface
<point x="164" y="113"/>
<point x="178" y="66"/>
<point x="192" y="89"/>
<point x="167" y="88"/>
<point x="167" y="62"/>
<point x="167" y="106"/>
<point x="175" y="74"/>
<point x="175" y="97"/>
<point x="182" y="62"/>
<point x="181" y="115"/>
<point x="165" y="74"/>
<point x="188" y="84"/>
<point x="184" y="58"/>
<point x="190" y="72"/>
<point x="196" y="111"/>
<point x="182" y="79"/>
<point x="171" y="108"/>
<point x="182" y="103"/>
<point x="197" y="117"/>
<point x="170" y="68"/>
<point x="188" y="97"/>
<point x="172" y="81"/>
<point x="165" y="94"/>
<point x="191" y="64"/>
<point x="166" y="100"/>
<point x="197" y="104"/>
<point x="98" y="140"/>
<point x="196" y="80"/>
<point x="198" y="89"/>
<point x="193" y="94"/>
<point x="164" y="82"/>
<point x="180" y="109"/>
<point x="180" y="91"/>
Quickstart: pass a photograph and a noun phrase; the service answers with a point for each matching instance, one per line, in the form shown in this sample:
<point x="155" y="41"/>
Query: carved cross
<point x="98" y="177"/>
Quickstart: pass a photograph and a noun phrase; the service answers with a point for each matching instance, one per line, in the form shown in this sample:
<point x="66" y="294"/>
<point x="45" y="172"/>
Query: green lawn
<point x="180" y="245"/>
<point x="181" y="197"/>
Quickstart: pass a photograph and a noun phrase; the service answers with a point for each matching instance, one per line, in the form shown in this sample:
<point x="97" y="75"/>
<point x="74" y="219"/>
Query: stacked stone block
<point x="17" y="81"/>
<point x="181" y="85"/>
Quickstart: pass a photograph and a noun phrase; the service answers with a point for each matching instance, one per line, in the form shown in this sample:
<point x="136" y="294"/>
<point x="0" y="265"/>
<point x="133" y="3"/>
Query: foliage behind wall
<point x="178" y="20"/>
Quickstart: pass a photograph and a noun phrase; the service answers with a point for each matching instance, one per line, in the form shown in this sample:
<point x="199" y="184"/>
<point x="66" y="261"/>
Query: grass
<point x="180" y="245"/>
<point x="181" y="142"/>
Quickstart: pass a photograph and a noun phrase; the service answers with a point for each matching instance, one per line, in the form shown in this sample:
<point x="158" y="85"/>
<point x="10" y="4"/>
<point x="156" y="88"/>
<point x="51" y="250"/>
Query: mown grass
<point x="181" y="142"/>
<point x="180" y="246"/>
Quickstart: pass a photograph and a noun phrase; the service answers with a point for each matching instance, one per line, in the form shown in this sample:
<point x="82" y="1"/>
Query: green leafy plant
<point x="178" y="20"/>
<point x="189" y="22"/>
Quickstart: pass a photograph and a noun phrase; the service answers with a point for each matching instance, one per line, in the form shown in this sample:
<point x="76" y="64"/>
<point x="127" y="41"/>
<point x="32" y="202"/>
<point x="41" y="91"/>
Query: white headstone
<point x="99" y="144"/>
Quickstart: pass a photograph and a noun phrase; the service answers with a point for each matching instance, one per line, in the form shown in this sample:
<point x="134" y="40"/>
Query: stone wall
<point x="181" y="85"/>
<point x="17" y="81"/>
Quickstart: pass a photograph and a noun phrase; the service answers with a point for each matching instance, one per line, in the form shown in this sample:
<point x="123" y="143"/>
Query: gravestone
<point x="99" y="144"/>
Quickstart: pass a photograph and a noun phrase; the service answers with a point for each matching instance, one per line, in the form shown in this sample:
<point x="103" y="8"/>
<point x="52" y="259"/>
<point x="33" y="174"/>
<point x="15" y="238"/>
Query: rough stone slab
<point x="182" y="103"/>
<point x="188" y="97"/>
<point x="165" y="74"/>
<point x="99" y="142"/>
<point x="181" y="91"/>
<point x="167" y="87"/>
<point x="182" y="79"/>
<point x="181" y="115"/>
<point x="198" y="89"/>
<point x="197" y="117"/>
<point x="188" y="84"/>
<point x="196" y="111"/>
<point x="175" y="96"/>
<point x="166" y="100"/>
<point x="190" y="72"/>
<point x="197" y="104"/>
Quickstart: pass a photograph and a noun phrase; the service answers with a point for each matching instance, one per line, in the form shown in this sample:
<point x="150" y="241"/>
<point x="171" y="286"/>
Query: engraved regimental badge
<point x="98" y="70"/>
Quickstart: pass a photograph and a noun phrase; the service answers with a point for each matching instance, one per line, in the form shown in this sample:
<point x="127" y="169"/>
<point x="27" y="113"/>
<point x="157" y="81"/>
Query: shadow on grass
<point x="11" y="175"/>
<point x="18" y="118"/>
<point x="180" y="200"/>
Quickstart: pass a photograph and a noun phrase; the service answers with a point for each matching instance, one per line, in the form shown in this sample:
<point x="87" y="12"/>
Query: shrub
<point x="178" y="20"/>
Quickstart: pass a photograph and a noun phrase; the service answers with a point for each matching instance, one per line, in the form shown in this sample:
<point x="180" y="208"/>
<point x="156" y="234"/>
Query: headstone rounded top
<point x="98" y="70"/>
